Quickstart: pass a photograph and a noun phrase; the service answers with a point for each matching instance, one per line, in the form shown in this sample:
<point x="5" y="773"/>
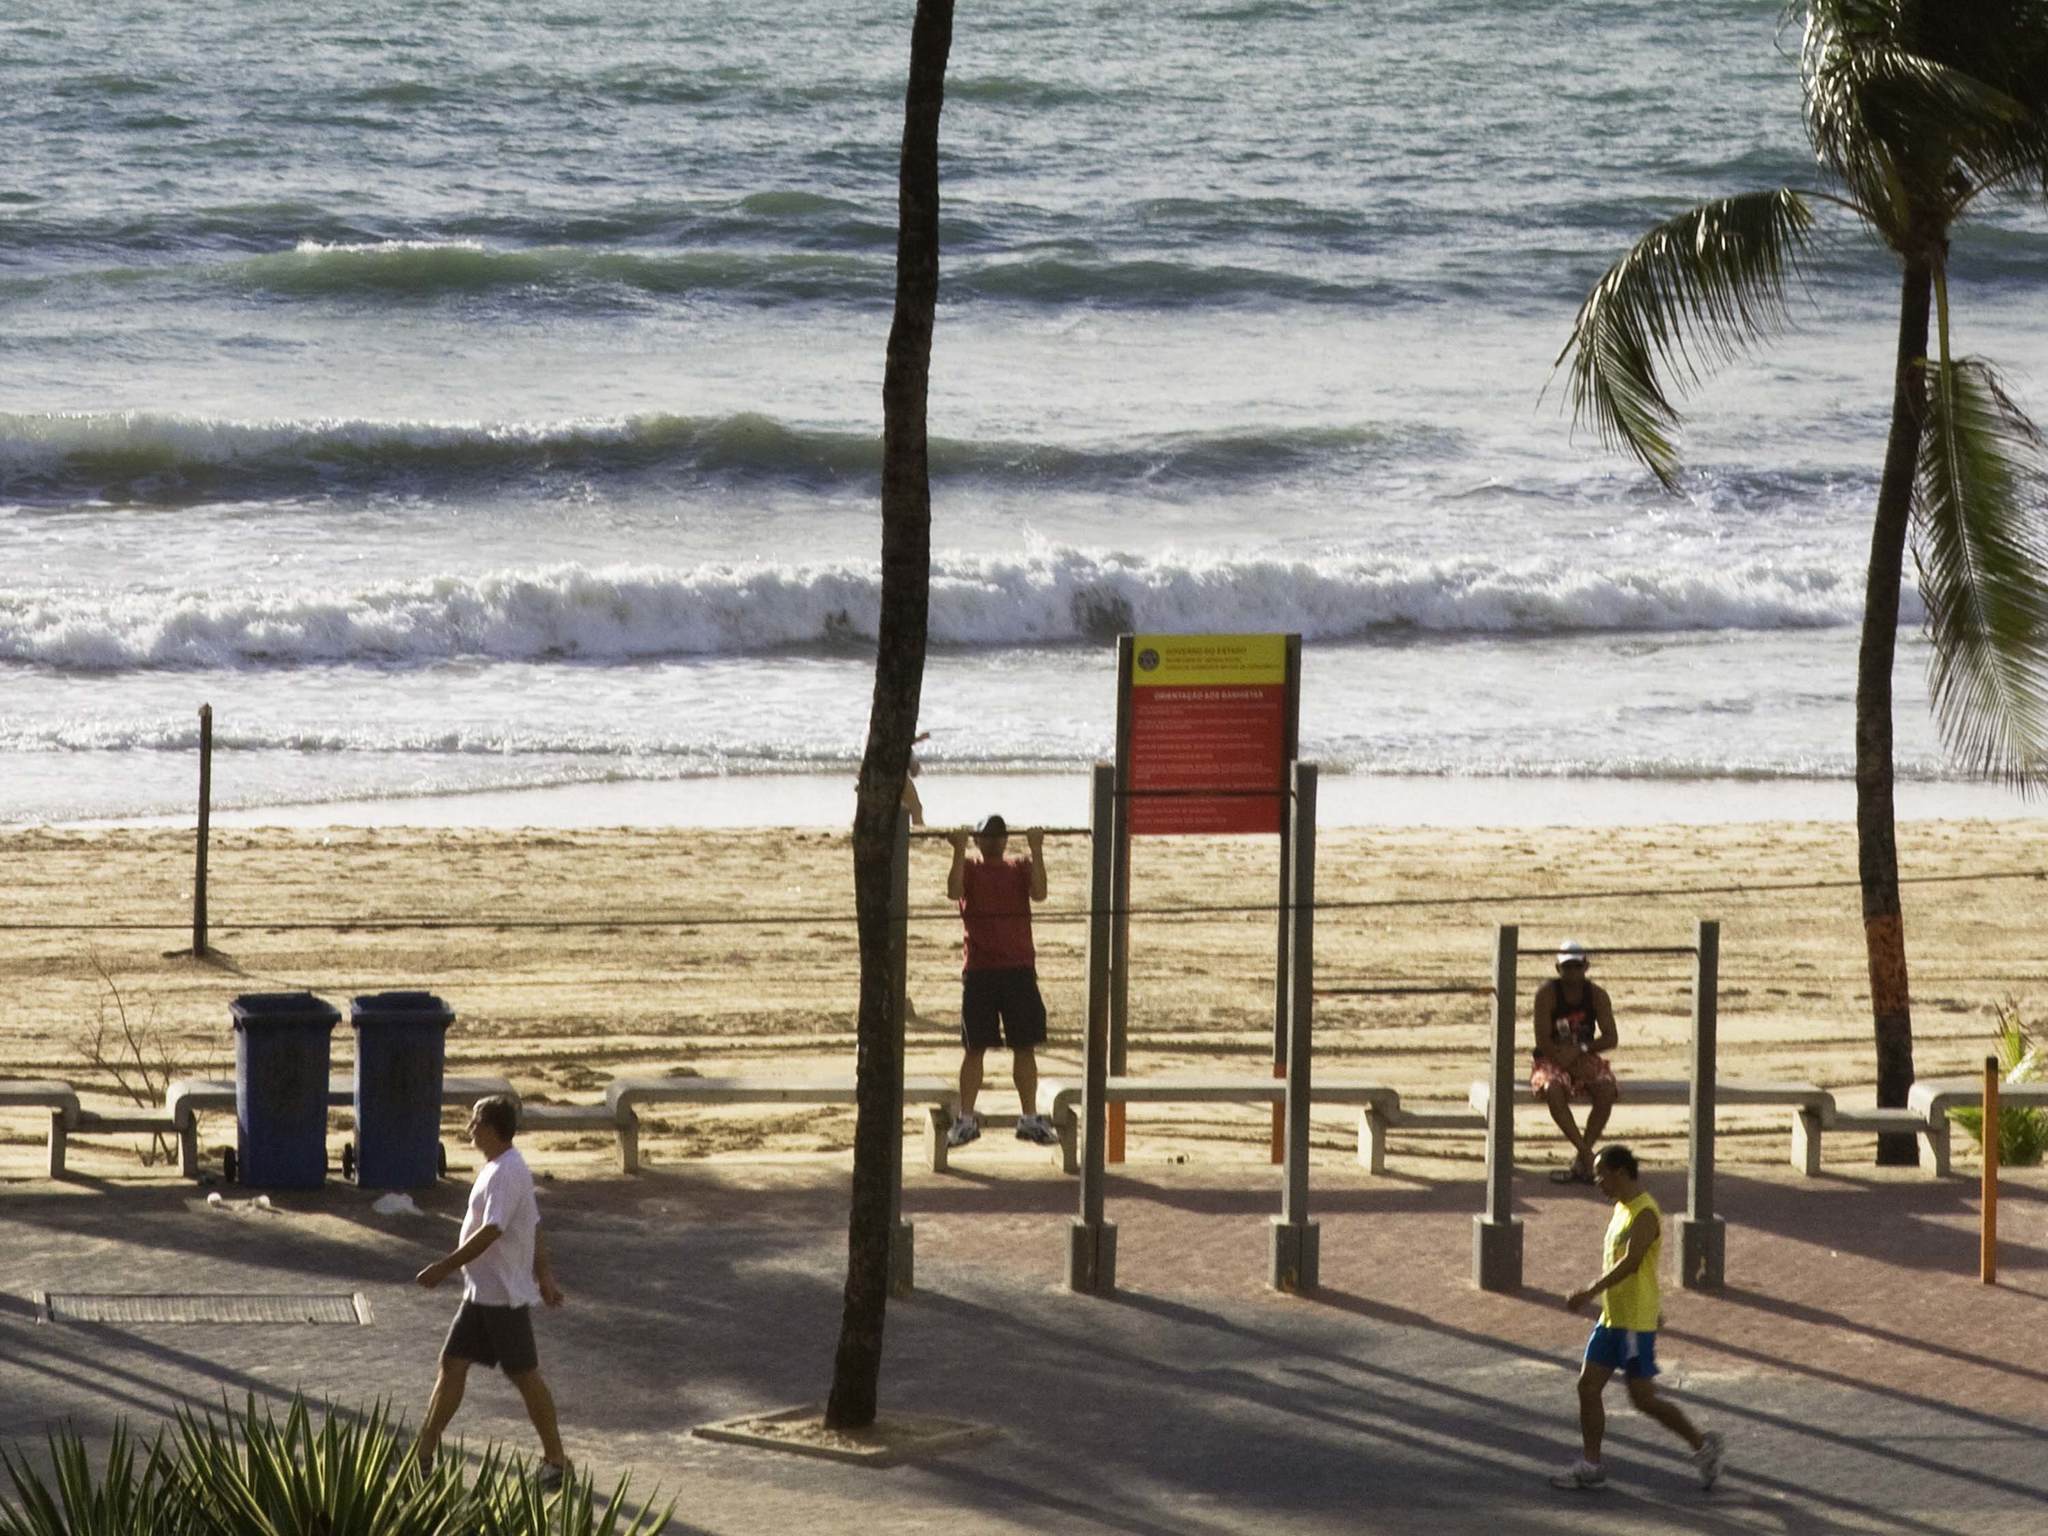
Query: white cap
<point x="1571" y="952"/>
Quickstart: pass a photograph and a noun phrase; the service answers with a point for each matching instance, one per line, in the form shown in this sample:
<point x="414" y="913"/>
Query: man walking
<point x="1574" y="1031"/>
<point x="999" y="998"/>
<point x="1625" y="1338"/>
<point x="505" y="1271"/>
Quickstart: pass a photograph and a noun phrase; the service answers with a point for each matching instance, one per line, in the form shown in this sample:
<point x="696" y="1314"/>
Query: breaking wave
<point x="1059" y="596"/>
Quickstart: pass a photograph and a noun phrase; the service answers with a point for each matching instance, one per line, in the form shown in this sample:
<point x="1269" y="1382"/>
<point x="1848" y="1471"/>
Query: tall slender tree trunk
<point x="1884" y="930"/>
<point x="892" y="718"/>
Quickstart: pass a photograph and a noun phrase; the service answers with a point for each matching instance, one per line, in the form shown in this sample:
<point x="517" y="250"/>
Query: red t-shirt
<point x="995" y="907"/>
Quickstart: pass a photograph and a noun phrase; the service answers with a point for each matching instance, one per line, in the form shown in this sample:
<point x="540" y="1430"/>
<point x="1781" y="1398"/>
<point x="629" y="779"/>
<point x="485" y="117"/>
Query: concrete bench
<point x="1379" y="1107"/>
<point x="189" y="1097"/>
<point x="60" y="1100"/>
<point x="625" y="1095"/>
<point x="1930" y="1100"/>
<point x="1813" y="1106"/>
<point x="1809" y="1124"/>
<point x="568" y="1117"/>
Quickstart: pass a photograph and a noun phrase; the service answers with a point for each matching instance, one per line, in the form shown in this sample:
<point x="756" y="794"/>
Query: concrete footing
<point x="1702" y="1252"/>
<point x="1091" y="1258"/>
<point x="1297" y="1250"/>
<point x="1496" y="1254"/>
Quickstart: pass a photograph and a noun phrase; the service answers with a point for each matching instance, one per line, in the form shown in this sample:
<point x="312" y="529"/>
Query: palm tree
<point x="892" y="718"/>
<point x="1916" y="109"/>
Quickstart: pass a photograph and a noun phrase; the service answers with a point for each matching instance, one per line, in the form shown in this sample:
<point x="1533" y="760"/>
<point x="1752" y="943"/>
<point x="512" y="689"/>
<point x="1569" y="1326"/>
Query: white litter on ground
<point x="215" y="1199"/>
<point x="396" y="1204"/>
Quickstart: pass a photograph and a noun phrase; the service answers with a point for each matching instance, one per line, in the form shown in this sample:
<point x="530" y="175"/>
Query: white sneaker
<point x="1580" y="1474"/>
<point x="1707" y="1459"/>
<point x="1036" y="1128"/>
<point x="963" y="1130"/>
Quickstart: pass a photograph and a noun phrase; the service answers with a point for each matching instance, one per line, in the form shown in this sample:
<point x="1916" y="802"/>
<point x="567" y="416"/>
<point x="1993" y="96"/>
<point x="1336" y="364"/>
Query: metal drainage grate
<point x="350" y="1309"/>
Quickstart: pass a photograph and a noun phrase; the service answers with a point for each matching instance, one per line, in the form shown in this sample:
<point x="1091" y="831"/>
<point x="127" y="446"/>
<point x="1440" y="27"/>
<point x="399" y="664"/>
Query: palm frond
<point x="1697" y="291"/>
<point x="1980" y="539"/>
<point x="1922" y="106"/>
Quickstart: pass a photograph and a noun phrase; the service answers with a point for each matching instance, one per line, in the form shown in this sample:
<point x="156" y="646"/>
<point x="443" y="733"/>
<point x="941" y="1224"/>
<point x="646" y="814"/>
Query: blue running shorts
<point x="1623" y="1349"/>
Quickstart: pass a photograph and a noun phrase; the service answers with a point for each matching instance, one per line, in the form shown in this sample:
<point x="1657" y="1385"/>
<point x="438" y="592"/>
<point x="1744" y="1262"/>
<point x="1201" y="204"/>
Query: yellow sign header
<point x="1195" y="661"/>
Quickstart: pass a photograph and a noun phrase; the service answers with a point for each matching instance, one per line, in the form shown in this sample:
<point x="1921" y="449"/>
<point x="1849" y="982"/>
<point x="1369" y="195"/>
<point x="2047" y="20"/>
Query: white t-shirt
<point x="502" y="1197"/>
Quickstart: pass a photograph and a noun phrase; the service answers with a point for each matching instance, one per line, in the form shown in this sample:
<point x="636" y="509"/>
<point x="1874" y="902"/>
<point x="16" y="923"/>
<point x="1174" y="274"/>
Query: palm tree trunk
<point x="1884" y="931"/>
<point x="892" y="717"/>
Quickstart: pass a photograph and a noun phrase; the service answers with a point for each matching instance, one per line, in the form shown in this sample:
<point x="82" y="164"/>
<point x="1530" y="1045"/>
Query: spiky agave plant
<point x="120" y="1498"/>
<point x="510" y="1502"/>
<point x="1918" y="112"/>
<point x="255" y="1474"/>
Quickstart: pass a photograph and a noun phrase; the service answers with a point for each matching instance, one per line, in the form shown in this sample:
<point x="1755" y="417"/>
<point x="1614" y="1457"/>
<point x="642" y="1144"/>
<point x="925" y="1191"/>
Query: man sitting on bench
<point x="1574" y="1030"/>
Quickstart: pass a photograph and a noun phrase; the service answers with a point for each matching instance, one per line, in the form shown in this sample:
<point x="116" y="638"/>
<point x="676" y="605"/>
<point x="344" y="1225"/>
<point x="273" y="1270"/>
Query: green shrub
<point x="123" y="1500"/>
<point x="253" y="1473"/>
<point x="2022" y="1130"/>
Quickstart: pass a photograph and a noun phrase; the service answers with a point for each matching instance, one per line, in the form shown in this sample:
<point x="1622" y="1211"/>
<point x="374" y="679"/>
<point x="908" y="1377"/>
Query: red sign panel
<point x="1210" y="719"/>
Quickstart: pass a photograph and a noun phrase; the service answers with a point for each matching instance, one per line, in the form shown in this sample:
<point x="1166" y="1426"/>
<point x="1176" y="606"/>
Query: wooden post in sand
<point x="1987" y="1241"/>
<point x="1496" y="1234"/>
<point x="205" y="821"/>
<point x="1091" y="1241"/>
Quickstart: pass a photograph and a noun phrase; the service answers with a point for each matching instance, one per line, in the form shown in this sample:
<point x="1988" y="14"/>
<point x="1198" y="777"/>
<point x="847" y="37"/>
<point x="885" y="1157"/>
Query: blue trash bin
<point x="401" y="1048"/>
<point x="281" y="1047"/>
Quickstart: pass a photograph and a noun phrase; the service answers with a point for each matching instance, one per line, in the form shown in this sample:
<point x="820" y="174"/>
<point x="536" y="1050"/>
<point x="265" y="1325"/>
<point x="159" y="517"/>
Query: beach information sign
<point x="1206" y="727"/>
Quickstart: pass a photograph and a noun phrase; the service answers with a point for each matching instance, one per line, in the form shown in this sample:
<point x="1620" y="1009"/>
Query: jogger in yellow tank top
<point x="1625" y="1340"/>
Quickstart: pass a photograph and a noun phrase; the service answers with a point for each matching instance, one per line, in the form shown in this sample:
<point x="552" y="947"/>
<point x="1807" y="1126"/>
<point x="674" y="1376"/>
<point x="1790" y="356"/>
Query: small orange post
<point x="1113" y="1139"/>
<point x="1987" y="1258"/>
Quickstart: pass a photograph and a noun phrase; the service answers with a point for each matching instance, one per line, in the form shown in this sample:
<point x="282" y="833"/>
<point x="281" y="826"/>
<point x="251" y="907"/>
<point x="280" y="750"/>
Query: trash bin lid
<point x="420" y="1009"/>
<point x="283" y="1010"/>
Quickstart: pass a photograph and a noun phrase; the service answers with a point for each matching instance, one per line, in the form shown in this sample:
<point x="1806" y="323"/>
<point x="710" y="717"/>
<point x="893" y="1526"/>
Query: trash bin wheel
<point x="348" y="1160"/>
<point x="230" y="1165"/>
<point x="441" y="1158"/>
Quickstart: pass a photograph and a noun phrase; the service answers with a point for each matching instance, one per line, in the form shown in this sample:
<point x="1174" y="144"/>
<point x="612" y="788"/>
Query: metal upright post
<point x="1091" y="1241"/>
<point x="902" y="1236"/>
<point x="205" y="830"/>
<point x="1296" y="1240"/>
<point x="1496" y="1234"/>
<point x="1702" y="1237"/>
<point x="1119" y="888"/>
<point x="1281" y="1006"/>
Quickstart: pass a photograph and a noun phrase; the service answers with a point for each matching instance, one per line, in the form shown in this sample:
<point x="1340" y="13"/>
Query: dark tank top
<point x="1574" y="1022"/>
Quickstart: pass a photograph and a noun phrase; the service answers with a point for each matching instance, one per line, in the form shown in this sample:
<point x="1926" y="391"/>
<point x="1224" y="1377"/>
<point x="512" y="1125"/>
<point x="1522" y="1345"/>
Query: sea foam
<point x="1058" y="596"/>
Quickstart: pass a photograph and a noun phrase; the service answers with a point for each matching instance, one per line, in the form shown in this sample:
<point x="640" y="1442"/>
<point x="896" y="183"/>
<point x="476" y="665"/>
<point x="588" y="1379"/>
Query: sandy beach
<point x="570" y="955"/>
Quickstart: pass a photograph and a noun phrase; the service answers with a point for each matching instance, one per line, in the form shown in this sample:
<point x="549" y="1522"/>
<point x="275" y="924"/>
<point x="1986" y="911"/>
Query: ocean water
<point x="481" y="398"/>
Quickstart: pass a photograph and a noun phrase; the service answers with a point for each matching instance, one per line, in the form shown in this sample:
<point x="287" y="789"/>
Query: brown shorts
<point x="1547" y="1072"/>
<point x="493" y="1336"/>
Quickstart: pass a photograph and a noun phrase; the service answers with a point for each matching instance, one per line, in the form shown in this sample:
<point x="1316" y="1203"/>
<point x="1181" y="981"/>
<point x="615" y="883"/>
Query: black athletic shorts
<point x="1001" y="1007"/>
<point x="493" y="1336"/>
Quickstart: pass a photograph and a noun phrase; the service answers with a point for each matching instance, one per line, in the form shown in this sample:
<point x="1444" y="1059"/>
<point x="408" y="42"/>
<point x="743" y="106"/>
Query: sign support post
<point x="1281" y="975"/>
<point x="1091" y="1241"/>
<point x="1296" y="1246"/>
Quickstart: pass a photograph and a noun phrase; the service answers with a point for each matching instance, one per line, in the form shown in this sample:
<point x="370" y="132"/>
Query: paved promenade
<point x="1864" y="1379"/>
